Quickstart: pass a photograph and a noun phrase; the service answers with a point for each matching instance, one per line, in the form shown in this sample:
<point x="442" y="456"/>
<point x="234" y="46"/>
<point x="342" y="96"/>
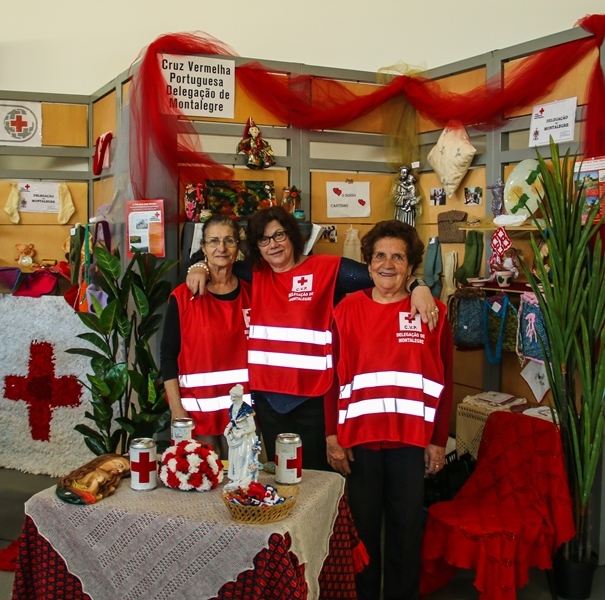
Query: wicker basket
<point x="264" y="514"/>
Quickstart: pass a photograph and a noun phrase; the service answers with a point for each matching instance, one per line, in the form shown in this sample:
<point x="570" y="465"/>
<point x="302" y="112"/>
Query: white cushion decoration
<point x="452" y="156"/>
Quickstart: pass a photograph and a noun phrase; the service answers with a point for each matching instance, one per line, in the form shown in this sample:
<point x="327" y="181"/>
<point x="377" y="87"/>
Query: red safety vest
<point x="390" y="372"/>
<point x="290" y="345"/>
<point x="213" y="356"/>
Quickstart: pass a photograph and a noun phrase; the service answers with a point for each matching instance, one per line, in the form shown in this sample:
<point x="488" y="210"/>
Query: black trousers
<point x="307" y="419"/>
<point x="389" y="484"/>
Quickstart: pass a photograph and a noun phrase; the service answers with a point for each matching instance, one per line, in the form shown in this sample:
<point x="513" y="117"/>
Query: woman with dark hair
<point x="389" y="423"/>
<point x="204" y="346"/>
<point x="290" y="343"/>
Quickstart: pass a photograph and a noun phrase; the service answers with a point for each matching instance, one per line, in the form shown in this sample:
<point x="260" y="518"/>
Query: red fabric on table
<point x="42" y="573"/>
<point x="511" y="515"/>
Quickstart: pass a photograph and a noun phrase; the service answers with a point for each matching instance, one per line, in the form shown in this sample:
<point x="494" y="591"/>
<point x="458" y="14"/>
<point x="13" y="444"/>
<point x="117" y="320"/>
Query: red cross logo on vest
<point x="303" y="283"/>
<point x="144" y="466"/>
<point x="293" y="463"/>
<point x="41" y="390"/>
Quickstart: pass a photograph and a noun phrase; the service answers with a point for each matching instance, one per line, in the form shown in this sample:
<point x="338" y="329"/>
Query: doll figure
<point x="405" y="197"/>
<point x="93" y="481"/>
<point x="242" y="440"/>
<point x="259" y="154"/>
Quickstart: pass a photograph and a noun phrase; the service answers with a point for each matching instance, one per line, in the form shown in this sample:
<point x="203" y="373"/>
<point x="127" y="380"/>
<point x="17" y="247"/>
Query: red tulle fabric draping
<point x="309" y="102"/>
<point x="159" y="128"/>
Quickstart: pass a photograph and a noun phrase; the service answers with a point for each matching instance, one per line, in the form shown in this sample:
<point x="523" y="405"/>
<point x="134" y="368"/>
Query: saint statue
<point x="93" y="481"/>
<point x="405" y="197"/>
<point x="242" y="440"/>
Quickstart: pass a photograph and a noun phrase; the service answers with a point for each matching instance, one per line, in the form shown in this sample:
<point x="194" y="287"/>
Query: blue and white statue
<point x="244" y="445"/>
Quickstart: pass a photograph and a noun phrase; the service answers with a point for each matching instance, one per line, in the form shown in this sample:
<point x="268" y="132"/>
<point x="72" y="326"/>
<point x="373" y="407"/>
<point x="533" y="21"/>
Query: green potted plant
<point x="127" y="397"/>
<point x="573" y="308"/>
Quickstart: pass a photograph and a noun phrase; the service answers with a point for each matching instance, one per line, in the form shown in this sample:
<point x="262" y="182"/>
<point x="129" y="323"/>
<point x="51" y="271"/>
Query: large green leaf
<point x="108" y="264"/>
<point x="108" y="316"/>
<point x="96" y="340"/>
<point x="140" y="300"/>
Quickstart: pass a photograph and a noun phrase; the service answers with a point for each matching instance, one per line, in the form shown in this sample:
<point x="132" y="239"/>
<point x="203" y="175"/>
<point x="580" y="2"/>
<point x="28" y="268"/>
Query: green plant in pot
<point x="127" y="397"/>
<point x="573" y="308"/>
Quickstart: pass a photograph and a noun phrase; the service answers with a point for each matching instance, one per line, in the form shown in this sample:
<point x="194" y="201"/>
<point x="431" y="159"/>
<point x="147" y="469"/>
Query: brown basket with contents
<point x="264" y="513"/>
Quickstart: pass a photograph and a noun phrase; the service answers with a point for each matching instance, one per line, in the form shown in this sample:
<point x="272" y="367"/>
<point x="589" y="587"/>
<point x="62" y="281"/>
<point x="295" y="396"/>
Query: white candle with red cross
<point x="143" y="464"/>
<point x="288" y="458"/>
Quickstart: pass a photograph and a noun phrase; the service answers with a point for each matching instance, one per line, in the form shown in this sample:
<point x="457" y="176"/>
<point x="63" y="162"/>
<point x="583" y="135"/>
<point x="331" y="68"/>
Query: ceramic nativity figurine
<point x="93" y="481"/>
<point x="243" y="442"/>
<point x="259" y="154"/>
<point x="405" y="197"/>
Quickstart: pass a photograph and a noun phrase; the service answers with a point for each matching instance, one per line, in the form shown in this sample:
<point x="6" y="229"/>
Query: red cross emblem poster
<point x="41" y="397"/>
<point x="20" y="124"/>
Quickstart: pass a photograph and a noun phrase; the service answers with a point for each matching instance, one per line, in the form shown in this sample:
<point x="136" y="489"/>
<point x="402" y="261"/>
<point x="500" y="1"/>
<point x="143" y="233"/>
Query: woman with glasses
<point x="204" y="345"/>
<point x="290" y="343"/>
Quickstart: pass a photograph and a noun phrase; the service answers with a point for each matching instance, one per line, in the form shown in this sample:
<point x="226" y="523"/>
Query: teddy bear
<point x="26" y="254"/>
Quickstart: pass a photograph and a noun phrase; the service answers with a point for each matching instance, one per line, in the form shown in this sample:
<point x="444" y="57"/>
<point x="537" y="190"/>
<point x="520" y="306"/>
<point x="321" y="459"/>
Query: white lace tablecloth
<point x="170" y="544"/>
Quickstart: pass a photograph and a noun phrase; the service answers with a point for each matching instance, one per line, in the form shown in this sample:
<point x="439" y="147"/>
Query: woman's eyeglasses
<point x="229" y="242"/>
<point x="279" y="236"/>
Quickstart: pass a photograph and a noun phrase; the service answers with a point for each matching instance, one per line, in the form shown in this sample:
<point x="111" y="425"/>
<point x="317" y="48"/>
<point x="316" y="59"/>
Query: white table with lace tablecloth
<point x="169" y="544"/>
<point x="471" y="416"/>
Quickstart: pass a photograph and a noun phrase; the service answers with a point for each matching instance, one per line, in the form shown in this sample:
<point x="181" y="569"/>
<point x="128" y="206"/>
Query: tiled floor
<point x="17" y="487"/>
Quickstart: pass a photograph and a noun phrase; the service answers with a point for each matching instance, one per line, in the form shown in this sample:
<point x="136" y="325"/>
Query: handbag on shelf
<point x="448" y="226"/>
<point x="532" y="341"/>
<point x="36" y="284"/>
<point x="465" y="312"/>
<point x="9" y="279"/>
<point x="500" y="327"/>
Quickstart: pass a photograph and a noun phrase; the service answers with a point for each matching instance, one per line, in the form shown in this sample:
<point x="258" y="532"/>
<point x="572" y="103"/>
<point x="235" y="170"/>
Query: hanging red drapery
<point x="309" y="102"/>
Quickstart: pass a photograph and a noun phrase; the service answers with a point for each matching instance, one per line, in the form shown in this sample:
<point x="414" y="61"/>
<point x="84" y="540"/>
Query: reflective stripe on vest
<point x="211" y="404"/>
<point x="214" y="378"/>
<point x="396" y="378"/>
<point x="290" y="334"/>
<point x="290" y="361"/>
<point x="387" y="405"/>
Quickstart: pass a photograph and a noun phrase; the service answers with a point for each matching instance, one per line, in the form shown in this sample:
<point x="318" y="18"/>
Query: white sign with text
<point x="556" y="119"/>
<point x="348" y="199"/>
<point x="199" y="86"/>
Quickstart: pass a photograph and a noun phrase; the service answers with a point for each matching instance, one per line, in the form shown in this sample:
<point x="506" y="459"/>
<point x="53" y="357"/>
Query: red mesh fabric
<point x="164" y="131"/>
<point x="309" y="102"/>
<point x="511" y="515"/>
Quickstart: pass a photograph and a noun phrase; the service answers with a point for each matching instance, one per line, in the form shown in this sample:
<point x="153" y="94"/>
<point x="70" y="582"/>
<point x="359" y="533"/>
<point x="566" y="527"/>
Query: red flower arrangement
<point x="191" y="466"/>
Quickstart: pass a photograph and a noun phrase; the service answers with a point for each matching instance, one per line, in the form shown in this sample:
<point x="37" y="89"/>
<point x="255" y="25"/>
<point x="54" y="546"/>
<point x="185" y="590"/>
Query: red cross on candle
<point x="293" y="463"/>
<point x="302" y="281"/>
<point x="19" y="123"/>
<point x="144" y="467"/>
<point x="41" y="390"/>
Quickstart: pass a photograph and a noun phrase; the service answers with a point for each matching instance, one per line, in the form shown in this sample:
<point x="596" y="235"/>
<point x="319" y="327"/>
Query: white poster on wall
<point x="348" y="199"/>
<point x="38" y="196"/>
<point x="199" y="86"/>
<point x="556" y="119"/>
<point x="20" y="124"/>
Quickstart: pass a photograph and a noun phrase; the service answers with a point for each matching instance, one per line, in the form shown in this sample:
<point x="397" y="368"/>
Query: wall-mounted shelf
<point x="489" y="225"/>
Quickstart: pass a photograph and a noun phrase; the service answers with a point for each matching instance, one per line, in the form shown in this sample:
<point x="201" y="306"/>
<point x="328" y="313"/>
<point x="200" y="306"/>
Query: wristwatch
<point x="416" y="283"/>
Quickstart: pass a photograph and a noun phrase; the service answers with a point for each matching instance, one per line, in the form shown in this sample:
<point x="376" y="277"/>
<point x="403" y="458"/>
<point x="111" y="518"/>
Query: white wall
<point x="77" y="46"/>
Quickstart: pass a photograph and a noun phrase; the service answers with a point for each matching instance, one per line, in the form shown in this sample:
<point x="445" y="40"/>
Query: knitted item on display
<point x="451" y="263"/>
<point x="473" y="254"/>
<point x="433" y="266"/>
